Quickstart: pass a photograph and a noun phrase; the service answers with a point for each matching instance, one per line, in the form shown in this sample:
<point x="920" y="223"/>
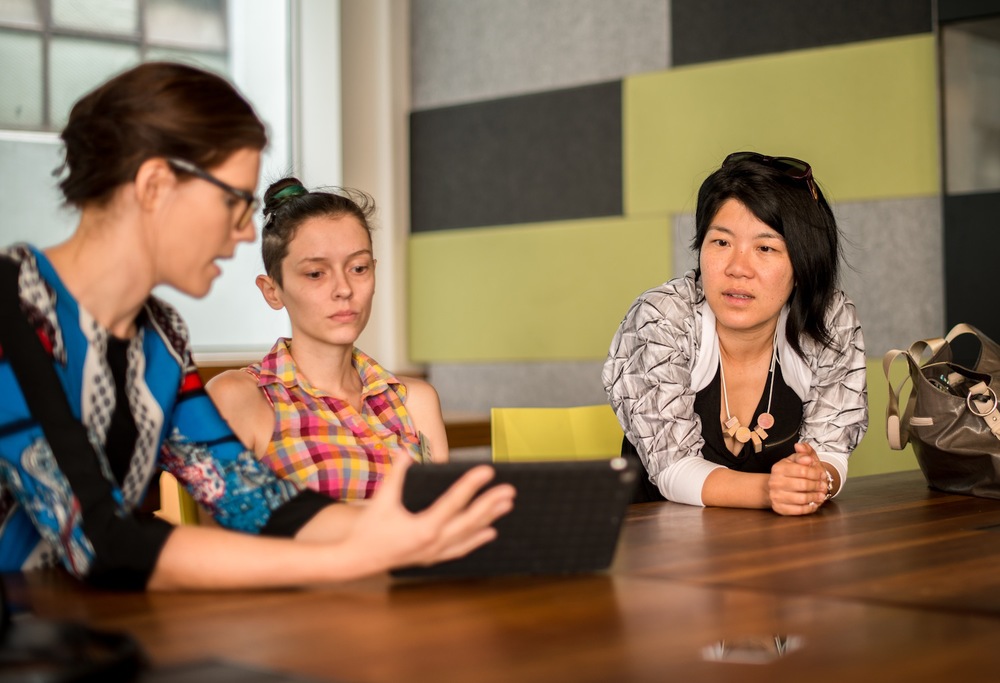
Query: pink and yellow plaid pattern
<point x="321" y="440"/>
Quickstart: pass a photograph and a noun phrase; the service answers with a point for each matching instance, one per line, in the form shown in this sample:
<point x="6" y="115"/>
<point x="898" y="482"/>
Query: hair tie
<point x="290" y="191"/>
<point x="280" y="197"/>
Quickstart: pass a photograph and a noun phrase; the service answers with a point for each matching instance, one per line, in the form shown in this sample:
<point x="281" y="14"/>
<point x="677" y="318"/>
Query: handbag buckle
<point x="981" y="392"/>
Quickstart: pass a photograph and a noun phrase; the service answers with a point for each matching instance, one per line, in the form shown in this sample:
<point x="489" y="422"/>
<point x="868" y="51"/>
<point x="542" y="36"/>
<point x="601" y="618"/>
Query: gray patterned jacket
<point x="666" y="350"/>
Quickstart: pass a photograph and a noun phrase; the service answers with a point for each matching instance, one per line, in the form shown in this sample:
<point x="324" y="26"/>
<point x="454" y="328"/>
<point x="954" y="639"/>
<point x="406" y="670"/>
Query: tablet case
<point x="566" y="518"/>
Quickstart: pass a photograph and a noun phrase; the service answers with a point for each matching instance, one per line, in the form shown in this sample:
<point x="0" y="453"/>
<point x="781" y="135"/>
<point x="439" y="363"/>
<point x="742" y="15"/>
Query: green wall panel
<point x="546" y="291"/>
<point x="864" y="115"/>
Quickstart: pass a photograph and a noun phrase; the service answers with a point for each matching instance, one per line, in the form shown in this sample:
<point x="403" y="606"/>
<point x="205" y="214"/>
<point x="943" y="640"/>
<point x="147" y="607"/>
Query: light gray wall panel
<point x="471" y="50"/>
<point x="477" y="387"/>
<point x="684" y="258"/>
<point x="895" y="272"/>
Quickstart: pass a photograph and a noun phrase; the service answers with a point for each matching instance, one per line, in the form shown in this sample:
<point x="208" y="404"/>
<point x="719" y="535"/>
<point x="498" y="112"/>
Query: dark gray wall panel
<point x="972" y="245"/>
<point x="551" y="156"/>
<point x="710" y="30"/>
<point x="958" y="10"/>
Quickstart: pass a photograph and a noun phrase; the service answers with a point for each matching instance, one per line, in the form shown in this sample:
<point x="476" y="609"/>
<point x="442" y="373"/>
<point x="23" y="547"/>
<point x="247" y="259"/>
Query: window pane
<point x="210" y="62"/>
<point x="105" y="16"/>
<point x="20" y="80"/>
<point x="971" y="66"/>
<point x="188" y="23"/>
<point x="80" y="65"/>
<point x="19" y="12"/>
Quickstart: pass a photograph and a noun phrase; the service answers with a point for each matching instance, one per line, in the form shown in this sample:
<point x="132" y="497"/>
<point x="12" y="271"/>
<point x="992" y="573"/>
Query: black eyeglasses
<point x="791" y="167"/>
<point x="251" y="202"/>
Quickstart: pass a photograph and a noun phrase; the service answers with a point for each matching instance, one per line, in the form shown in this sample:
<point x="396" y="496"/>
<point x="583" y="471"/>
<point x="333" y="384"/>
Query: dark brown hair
<point x="287" y="205"/>
<point x="155" y="109"/>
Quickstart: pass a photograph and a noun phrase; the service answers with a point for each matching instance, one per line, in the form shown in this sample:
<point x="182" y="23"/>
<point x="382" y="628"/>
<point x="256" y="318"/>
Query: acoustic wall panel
<point x="555" y="291"/>
<point x="554" y="156"/>
<point x="972" y="243"/>
<point x="477" y="387"/>
<point x="711" y="30"/>
<point x="960" y="10"/>
<point x="864" y="115"/>
<point x="473" y="50"/>
<point x="894" y="269"/>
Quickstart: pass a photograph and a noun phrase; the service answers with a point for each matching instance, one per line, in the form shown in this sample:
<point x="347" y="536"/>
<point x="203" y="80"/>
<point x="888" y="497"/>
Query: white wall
<point x="233" y="322"/>
<point x="375" y="67"/>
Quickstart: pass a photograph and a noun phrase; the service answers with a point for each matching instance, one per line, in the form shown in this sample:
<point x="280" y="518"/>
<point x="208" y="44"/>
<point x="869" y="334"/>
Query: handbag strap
<point x="898" y="429"/>
<point x="960" y="329"/>
<point x="930" y="347"/>
<point x="44" y="394"/>
<point x="919" y="348"/>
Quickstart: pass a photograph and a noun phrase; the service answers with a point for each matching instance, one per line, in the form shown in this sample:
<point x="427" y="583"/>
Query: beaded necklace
<point x="765" y="421"/>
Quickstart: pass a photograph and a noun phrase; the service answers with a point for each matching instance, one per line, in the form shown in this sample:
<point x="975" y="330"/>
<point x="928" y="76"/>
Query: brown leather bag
<point x="951" y="416"/>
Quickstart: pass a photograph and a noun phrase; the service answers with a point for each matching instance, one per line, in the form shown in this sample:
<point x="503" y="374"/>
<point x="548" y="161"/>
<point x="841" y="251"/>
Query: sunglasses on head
<point x="791" y="167"/>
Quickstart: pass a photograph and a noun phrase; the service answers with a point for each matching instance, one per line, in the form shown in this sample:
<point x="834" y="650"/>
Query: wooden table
<point x="886" y="539"/>
<point x="892" y="582"/>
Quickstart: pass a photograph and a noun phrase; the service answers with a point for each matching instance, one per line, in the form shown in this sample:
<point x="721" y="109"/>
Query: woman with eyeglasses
<point x="161" y="162"/>
<point x="317" y="409"/>
<point x="742" y="383"/>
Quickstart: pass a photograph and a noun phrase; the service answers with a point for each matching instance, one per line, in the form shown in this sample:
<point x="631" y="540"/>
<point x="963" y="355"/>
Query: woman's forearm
<point x="211" y="558"/>
<point x="728" y="488"/>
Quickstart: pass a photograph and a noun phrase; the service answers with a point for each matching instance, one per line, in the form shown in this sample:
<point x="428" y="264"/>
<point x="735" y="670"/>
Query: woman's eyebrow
<point x="324" y="259"/>
<point x="774" y="235"/>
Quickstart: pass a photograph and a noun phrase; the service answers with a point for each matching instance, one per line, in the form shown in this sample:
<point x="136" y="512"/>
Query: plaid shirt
<point x="322" y="441"/>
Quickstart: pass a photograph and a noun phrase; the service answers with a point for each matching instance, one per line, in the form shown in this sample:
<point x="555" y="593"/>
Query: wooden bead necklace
<point x="764" y="421"/>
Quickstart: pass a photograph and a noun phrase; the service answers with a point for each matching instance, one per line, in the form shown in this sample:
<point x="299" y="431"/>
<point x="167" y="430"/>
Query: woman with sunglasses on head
<point x="317" y="409"/>
<point x="161" y="162"/>
<point x="742" y="384"/>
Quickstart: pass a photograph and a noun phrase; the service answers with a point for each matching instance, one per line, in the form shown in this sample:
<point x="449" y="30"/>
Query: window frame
<point x="48" y="31"/>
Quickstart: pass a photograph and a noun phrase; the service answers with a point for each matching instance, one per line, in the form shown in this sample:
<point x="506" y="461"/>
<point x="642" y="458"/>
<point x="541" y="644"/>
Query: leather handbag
<point x="951" y="417"/>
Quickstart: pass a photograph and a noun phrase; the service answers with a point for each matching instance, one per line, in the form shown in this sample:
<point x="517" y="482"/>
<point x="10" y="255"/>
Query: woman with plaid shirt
<point x="316" y="409"/>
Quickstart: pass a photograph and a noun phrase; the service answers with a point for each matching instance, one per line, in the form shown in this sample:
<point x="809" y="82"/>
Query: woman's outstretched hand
<point x="457" y="523"/>
<point x="798" y="483"/>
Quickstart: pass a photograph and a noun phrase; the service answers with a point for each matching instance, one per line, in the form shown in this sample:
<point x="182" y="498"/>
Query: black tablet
<point x="566" y="518"/>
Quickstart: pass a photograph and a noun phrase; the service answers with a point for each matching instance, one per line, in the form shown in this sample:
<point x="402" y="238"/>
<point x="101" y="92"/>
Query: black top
<point x="786" y="407"/>
<point x="122" y="433"/>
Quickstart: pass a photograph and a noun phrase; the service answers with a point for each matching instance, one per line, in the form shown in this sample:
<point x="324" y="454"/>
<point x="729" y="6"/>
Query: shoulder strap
<point x="43" y="392"/>
<point x="897" y="426"/>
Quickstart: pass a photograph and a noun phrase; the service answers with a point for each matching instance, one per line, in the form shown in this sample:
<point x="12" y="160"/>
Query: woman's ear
<point x="152" y="181"/>
<point x="271" y="292"/>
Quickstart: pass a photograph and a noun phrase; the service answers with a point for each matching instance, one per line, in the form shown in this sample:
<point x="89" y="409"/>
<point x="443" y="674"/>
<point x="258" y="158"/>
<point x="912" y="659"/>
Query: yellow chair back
<point x="177" y="506"/>
<point x="576" y="433"/>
